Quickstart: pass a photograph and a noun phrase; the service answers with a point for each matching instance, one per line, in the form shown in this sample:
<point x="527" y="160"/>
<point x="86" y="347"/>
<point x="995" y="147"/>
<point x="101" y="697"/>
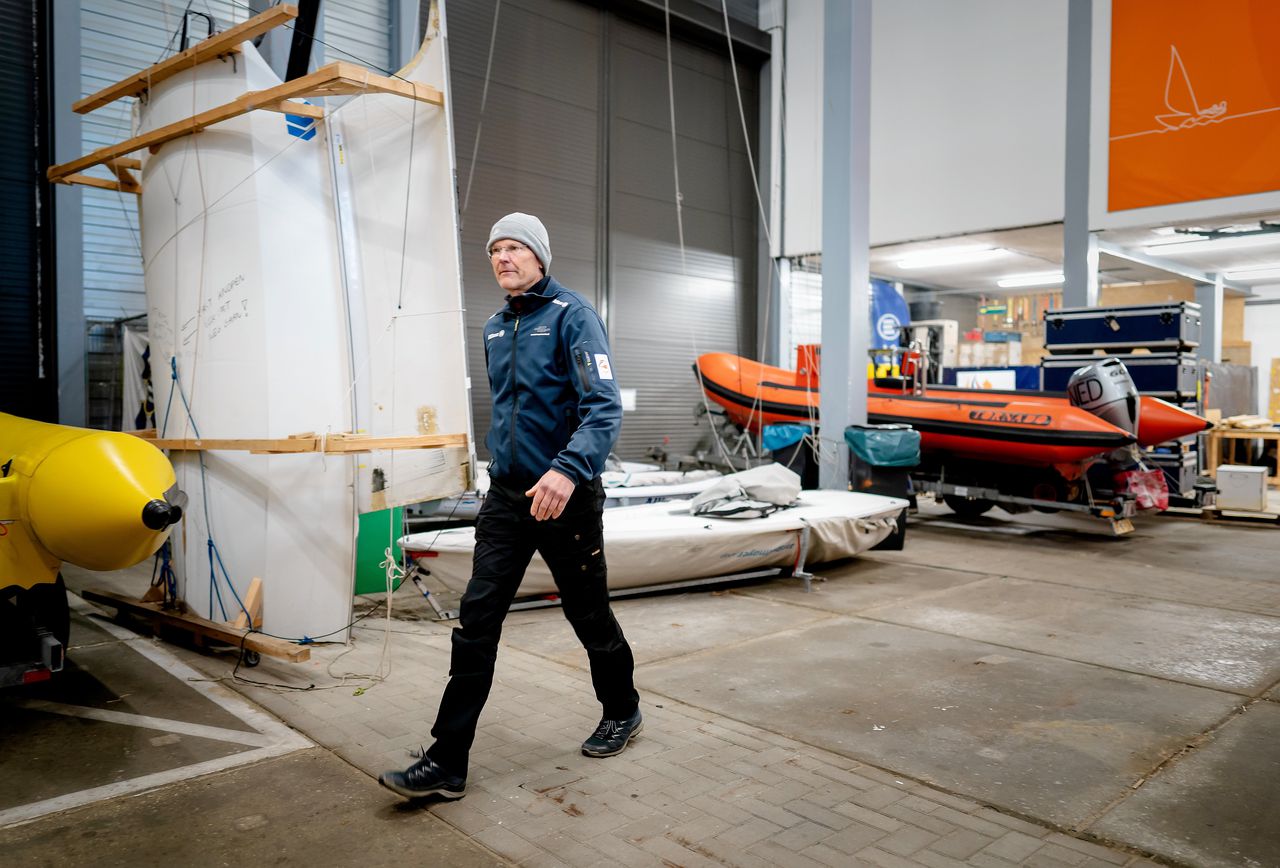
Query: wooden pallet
<point x="201" y="627"/>
<point x="1225" y="516"/>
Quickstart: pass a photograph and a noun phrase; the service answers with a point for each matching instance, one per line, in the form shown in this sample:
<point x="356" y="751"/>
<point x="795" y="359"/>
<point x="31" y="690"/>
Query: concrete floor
<point x="1120" y="690"/>
<point x="123" y="759"/>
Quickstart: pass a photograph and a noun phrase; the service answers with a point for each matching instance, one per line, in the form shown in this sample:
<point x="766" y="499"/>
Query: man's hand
<point x="550" y="495"/>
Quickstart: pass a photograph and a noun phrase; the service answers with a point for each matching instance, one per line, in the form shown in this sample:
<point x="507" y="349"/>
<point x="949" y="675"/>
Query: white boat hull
<point x="659" y="543"/>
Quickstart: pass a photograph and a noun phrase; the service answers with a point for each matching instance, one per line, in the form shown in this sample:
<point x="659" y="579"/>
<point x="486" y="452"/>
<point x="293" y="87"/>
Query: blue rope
<point x="213" y="552"/>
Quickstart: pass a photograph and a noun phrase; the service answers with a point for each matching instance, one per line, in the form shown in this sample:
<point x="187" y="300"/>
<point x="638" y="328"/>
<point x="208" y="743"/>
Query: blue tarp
<point x="884" y="445"/>
<point x="782" y="435"/>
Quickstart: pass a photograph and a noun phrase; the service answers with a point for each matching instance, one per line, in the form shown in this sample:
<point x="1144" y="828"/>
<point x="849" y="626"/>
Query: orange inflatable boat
<point x="1032" y="428"/>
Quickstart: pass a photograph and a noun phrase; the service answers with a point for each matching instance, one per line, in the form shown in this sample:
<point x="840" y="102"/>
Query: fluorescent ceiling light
<point x="1184" y="238"/>
<point x="1213" y="244"/>
<point x="950" y="256"/>
<point x="1255" y="272"/>
<point x="1039" y="278"/>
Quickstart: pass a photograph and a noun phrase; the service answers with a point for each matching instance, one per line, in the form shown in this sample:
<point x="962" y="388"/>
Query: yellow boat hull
<point x="96" y="499"/>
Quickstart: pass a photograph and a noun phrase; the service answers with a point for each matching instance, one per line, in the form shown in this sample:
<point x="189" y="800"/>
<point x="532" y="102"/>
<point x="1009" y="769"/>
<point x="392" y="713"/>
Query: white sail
<point x="282" y="284"/>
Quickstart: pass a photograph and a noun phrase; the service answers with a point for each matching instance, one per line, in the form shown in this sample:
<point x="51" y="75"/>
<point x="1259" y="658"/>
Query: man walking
<point x="556" y="415"/>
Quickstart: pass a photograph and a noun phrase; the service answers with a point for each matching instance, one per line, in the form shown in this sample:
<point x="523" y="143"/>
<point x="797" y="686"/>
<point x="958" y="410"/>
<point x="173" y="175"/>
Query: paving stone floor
<point x="1023" y="691"/>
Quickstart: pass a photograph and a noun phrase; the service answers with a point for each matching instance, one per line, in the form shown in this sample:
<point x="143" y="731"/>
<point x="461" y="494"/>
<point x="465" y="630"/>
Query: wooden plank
<point x="90" y="181"/>
<point x="128" y="183"/>
<point x="333" y="444"/>
<point x="226" y="42"/>
<point x="333" y="79"/>
<point x="1273" y="406"/>
<point x="263" y="445"/>
<point x="365" y="443"/>
<point x="354" y="78"/>
<point x="198" y="626"/>
<point x="253" y="602"/>
<point x="185" y="127"/>
<point x="288" y="107"/>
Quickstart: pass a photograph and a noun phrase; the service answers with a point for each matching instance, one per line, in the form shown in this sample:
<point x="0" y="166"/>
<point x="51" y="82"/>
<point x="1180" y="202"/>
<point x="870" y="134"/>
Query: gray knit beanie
<point x="526" y="229"/>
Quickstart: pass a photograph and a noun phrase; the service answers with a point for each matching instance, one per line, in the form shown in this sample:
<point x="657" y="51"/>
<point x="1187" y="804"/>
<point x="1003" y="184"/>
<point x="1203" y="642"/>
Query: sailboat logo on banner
<point x="1180" y="100"/>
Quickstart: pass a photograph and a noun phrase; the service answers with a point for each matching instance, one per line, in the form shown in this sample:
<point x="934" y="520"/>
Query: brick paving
<point x="694" y="789"/>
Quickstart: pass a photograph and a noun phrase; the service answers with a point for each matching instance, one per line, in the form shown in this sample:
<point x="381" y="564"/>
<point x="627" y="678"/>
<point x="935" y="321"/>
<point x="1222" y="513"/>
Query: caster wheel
<point x="252" y="658"/>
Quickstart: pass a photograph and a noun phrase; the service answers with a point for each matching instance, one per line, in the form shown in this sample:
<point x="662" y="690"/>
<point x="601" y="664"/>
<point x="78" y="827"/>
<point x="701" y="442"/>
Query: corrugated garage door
<point x="119" y="37"/>
<point x="576" y="130"/>
<point x="26" y="386"/>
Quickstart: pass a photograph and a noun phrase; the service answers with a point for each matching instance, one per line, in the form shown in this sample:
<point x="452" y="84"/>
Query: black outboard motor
<point x="1106" y="390"/>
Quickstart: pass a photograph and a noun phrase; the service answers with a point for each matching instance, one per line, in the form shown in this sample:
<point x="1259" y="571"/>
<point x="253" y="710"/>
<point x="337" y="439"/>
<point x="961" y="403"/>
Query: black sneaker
<point x="424" y="778"/>
<point x="612" y="736"/>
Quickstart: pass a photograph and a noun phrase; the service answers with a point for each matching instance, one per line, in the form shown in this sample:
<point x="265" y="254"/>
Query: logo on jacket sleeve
<point x="499" y="333"/>
<point x="602" y="365"/>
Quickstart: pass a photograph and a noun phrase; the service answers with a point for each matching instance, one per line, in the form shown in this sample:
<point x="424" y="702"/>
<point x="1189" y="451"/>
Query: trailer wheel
<point x="46" y="604"/>
<point x="967" y="507"/>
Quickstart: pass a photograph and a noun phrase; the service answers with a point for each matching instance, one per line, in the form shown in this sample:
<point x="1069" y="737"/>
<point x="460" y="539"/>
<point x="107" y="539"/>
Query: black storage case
<point x="1173" y="325"/>
<point x="1179" y="470"/>
<point x="1172" y="376"/>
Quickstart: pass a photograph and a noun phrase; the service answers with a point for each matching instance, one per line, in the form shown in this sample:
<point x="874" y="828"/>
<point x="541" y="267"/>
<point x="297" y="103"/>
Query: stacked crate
<point x="1156" y="343"/>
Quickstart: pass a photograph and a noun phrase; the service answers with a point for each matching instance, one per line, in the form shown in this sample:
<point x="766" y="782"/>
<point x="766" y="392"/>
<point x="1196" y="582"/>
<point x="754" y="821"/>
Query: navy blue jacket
<point x="556" y="404"/>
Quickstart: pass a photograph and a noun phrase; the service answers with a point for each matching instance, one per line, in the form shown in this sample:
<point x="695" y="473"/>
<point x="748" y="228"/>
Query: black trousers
<point x="573" y="547"/>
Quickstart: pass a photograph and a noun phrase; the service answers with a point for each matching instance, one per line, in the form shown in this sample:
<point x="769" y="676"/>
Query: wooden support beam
<point x="90" y="181"/>
<point x="343" y="443"/>
<point x="289" y="107"/>
<point x="340" y="444"/>
<point x="128" y="183"/>
<point x="215" y="46"/>
<point x="333" y="79"/>
<point x="253" y="602"/>
<point x="197" y="626"/>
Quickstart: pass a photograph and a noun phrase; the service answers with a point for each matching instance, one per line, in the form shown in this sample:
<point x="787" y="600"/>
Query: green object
<point x="378" y="530"/>
<point x="993" y="310"/>
<point x="884" y="445"/>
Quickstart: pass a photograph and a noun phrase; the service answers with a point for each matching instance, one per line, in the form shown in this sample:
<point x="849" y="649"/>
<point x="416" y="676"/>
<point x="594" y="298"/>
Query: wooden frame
<point x="1216" y="439"/>
<point x="237" y="637"/>
<point x="218" y="45"/>
<point x="335" y="79"/>
<point x="332" y="444"/>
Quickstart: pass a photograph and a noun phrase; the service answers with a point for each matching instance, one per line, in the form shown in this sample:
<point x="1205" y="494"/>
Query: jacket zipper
<point x="515" y="393"/>
<point x="583" y="372"/>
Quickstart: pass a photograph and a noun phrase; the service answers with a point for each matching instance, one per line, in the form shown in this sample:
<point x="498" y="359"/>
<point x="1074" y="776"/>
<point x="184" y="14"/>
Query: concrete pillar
<point x="1079" y="246"/>
<point x="1209" y="297"/>
<point x="846" y="146"/>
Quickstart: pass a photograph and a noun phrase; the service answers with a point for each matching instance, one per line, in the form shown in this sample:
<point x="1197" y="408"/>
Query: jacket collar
<point x="533" y="298"/>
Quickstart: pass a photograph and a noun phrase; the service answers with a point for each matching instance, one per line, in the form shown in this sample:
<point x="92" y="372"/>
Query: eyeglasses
<point x="510" y="249"/>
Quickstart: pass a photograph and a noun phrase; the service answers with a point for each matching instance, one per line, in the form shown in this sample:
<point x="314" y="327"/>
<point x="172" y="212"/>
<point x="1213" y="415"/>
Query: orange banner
<point x="1195" y="101"/>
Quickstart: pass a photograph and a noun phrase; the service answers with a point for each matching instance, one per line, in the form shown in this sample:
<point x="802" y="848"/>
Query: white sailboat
<point x="662" y="543"/>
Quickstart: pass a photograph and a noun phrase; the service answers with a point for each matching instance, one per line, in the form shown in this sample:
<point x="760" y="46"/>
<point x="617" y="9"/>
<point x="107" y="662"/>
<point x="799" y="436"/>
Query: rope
<point x="484" y="99"/>
<point x="684" y="265"/>
<point x="768" y="234"/>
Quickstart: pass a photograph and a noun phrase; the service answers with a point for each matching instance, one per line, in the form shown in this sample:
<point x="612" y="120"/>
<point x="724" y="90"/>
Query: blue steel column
<point x="846" y="146"/>
<point x="68" y="222"/>
<point x="1079" y="246"/>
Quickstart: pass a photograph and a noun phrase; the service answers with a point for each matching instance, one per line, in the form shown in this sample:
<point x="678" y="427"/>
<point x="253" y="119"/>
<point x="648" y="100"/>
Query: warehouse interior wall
<point x="1262" y="330"/>
<point x="968" y="118"/>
